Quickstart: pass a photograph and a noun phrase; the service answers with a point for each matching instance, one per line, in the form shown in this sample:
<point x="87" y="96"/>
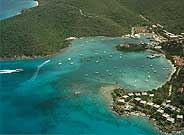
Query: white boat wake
<point x="38" y="69"/>
<point x="9" y="71"/>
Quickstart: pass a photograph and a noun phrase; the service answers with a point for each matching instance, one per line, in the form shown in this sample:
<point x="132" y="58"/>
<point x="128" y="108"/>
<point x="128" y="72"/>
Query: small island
<point x="131" y="47"/>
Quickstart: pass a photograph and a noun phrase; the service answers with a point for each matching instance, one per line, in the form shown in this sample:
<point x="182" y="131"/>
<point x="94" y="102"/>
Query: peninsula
<point x="163" y="106"/>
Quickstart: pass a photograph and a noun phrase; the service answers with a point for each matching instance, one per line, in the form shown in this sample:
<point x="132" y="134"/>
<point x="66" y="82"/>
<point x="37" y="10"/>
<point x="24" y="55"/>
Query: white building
<point x="150" y="103"/>
<point x="138" y="99"/>
<point x="125" y="96"/>
<point x="143" y="102"/>
<point x="179" y="117"/>
<point x="165" y="115"/>
<point x="121" y="101"/>
<point x="131" y="94"/>
<point x="156" y="106"/>
<point x="160" y="110"/>
<point x="144" y="93"/>
<point x="137" y="94"/>
<point x="151" y="95"/>
<point x="172" y="120"/>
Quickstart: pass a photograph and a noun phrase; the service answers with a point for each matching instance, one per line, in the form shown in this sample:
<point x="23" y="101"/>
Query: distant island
<point x="42" y="30"/>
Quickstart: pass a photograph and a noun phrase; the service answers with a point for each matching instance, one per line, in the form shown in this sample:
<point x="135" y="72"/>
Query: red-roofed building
<point x="124" y="45"/>
<point x="178" y="61"/>
<point x="180" y="90"/>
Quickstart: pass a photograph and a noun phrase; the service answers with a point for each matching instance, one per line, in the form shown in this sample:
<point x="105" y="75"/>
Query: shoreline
<point x="34" y="57"/>
<point x="152" y="121"/>
<point x="35" y="4"/>
<point x="142" y="114"/>
<point x="105" y="91"/>
<point x="70" y="39"/>
<point x="170" y="76"/>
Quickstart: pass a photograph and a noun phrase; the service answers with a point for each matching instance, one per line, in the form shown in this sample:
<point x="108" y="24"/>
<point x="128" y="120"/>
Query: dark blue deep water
<point x="40" y="96"/>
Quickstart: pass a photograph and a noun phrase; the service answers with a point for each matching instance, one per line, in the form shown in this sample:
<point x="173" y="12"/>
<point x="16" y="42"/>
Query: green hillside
<point x="42" y="30"/>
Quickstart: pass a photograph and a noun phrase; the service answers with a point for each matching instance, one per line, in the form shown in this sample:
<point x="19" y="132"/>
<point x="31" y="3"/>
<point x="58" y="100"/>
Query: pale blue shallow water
<point x="41" y="99"/>
<point x="10" y="8"/>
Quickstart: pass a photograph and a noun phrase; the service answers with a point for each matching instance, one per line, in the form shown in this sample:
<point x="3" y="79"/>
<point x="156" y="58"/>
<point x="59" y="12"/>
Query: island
<point x="131" y="47"/>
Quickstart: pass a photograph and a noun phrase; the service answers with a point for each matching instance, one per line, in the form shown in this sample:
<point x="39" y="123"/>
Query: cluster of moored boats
<point x="97" y="61"/>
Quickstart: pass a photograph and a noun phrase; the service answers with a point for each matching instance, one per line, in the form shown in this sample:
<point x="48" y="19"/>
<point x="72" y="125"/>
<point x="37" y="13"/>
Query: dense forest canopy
<point x="42" y="30"/>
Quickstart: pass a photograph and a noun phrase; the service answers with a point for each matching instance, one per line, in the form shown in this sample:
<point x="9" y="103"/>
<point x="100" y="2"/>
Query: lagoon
<point x="39" y="95"/>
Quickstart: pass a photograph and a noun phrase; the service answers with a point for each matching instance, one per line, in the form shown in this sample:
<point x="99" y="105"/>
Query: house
<point x="160" y="111"/>
<point x="154" y="26"/>
<point x="172" y="36"/>
<point x="137" y="94"/>
<point x="165" y="116"/>
<point x="142" y="102"/>
<point x="171" y="120"/>
<point x="156" y="106"/>
<point x="137" y="99"/>
<point x="179" y="118"/>
<point x="159" y="25"/>
<point x="170" y="107"/>
<point x="158" y="47"/>
<point x="121" y="101"/>
<point x="125" y="45"/>
<point x="150" y="103"/>
<point x="168" y="101"/>
<point x="178" y="61"/>
<point x="164" y="104"/>
<point x="131" y="94"/>
<point x="151" y="95"/>
<point x="125" y="96"/>
<point x="178" y="110"/>
<point x="144" y="93"/>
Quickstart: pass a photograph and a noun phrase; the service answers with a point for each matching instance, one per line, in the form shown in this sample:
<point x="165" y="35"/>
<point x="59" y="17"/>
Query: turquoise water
<point x="40" y="96"/>
<point x="10" y="8"/>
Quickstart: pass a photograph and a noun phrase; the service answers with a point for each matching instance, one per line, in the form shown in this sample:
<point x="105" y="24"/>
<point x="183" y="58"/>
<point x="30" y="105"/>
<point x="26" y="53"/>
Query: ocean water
<point x="10" y="8"/>
<point x="38" y="96"/>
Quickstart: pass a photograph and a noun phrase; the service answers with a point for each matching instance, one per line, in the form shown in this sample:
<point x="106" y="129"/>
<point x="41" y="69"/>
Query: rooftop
<point x="150" y="103"/>
<point x="156" y="106"/>
<point x="121" y="101"/>
<point x="125" y="96"/>
<point x="137" y="99"/>
<point x="165" y="115"/>
<point x="160" y="110"/>
<point x="172" y="120"/>
<point x="179" y="116"/>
